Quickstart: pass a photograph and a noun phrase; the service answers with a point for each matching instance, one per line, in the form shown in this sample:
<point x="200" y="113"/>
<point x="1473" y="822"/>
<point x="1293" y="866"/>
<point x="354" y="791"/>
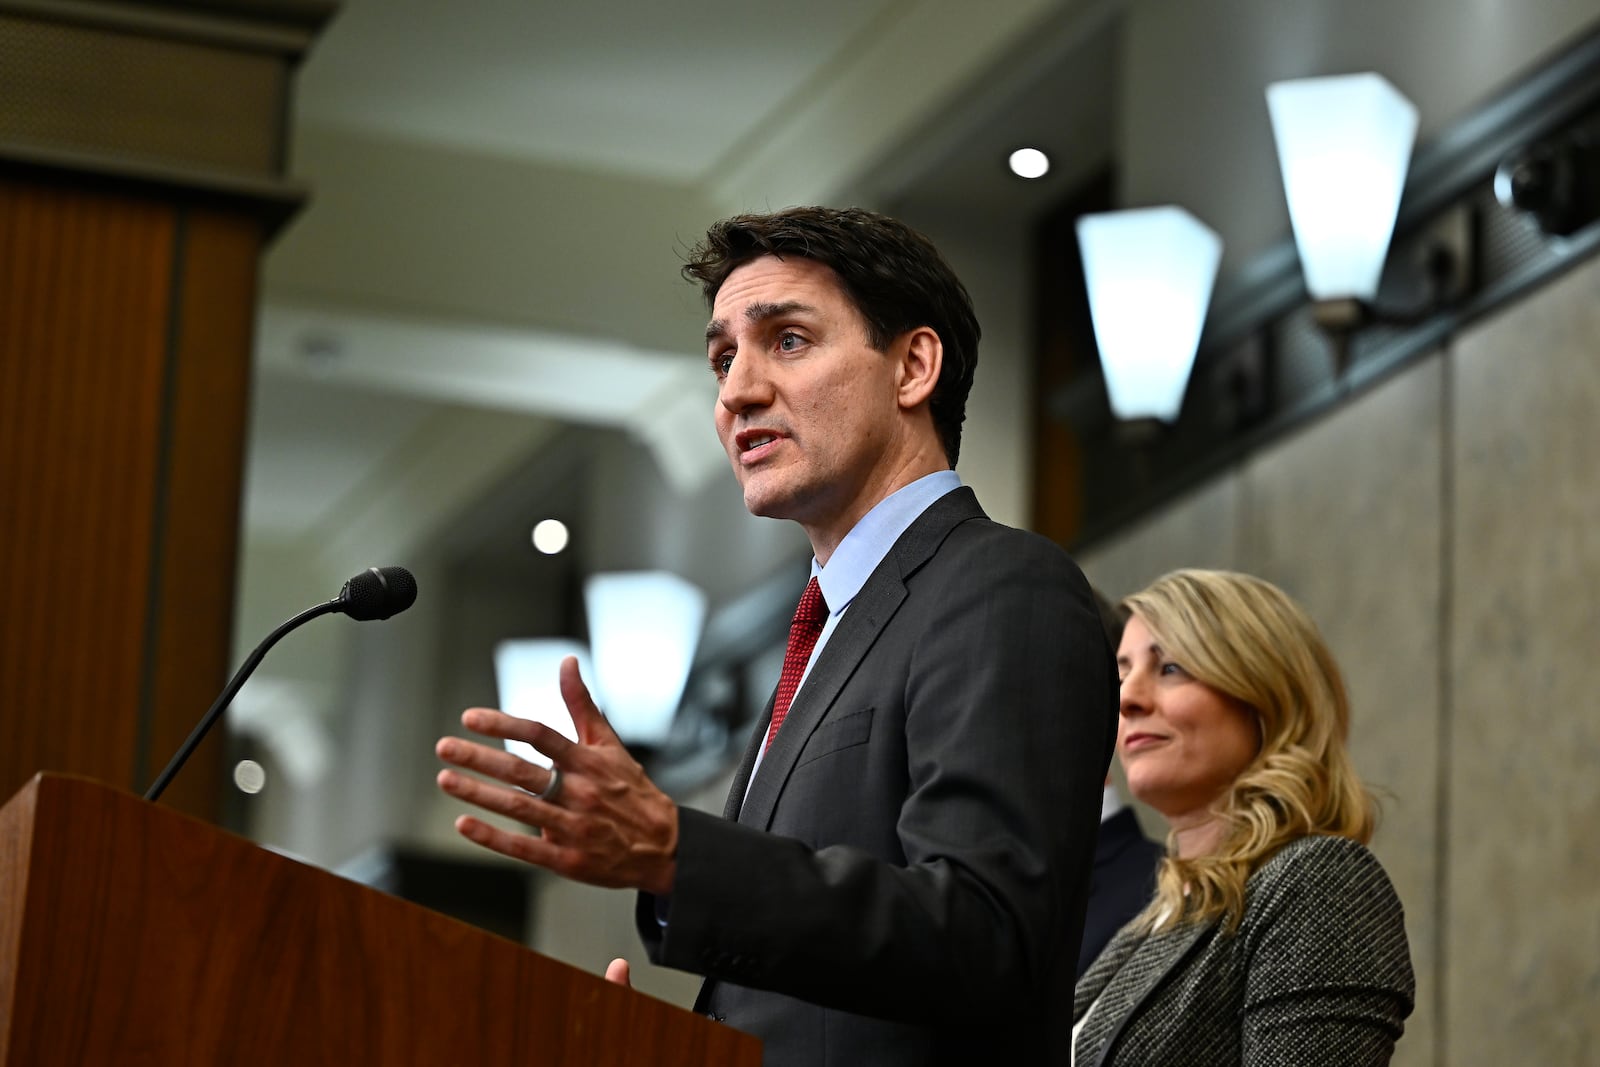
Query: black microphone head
<point x="378" y="593"/>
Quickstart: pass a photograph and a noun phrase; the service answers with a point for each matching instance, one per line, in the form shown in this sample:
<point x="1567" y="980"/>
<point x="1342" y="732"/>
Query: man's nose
<point x="744" y="386"/>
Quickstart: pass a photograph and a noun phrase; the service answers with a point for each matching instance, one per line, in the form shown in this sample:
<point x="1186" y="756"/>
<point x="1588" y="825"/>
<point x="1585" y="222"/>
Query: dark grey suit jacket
<point x="905" y="882"/>
<point x="1318" y="973"/>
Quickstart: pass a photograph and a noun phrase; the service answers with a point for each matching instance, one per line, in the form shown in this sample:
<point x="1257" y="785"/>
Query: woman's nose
<point x="1133" y="696"/>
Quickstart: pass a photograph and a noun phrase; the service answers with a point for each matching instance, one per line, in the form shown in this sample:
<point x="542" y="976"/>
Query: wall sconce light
<point x="1149" y="273"/>
<point x="1344" y="146"/>
<point x="525" y="673"/>
<point x="644" y="627"/>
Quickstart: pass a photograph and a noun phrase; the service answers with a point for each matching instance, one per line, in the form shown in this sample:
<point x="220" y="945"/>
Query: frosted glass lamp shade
<point x="1149" y="273"/>
<point x="1344" y="146"/>
<point x="526" y="673"/>
<point x="644" y="627"/>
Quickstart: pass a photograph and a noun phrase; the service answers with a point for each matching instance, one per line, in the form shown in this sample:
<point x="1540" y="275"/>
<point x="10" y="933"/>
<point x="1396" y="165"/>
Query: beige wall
<point x="1444" y="530"/>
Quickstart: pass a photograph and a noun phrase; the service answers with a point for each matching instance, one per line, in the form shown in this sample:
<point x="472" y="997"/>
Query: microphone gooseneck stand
<point x="375" y="593"/>
<point x="199" y="732"/>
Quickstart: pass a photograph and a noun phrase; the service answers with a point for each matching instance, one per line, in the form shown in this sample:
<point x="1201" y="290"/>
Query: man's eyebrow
<point x="758" y="312"/>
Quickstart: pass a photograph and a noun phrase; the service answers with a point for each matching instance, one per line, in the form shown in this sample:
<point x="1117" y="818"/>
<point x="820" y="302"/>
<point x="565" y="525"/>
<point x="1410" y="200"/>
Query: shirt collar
<point x="864" y="547"/>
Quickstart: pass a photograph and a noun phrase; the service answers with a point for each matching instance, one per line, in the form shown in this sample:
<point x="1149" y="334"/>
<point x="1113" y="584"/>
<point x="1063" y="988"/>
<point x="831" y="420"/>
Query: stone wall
<point x="1443" y="529"/>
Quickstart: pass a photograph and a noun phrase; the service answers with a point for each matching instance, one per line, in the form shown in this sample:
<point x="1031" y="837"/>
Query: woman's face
<point x="1182" y="743"/>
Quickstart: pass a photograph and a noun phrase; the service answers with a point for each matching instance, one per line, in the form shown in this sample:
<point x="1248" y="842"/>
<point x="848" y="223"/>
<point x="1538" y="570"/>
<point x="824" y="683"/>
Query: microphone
<point x="375" y="593"/>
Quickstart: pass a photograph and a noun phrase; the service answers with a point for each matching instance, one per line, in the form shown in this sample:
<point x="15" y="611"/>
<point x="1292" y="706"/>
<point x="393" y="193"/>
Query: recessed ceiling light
<point x="1029" y="163"/>
<point x="550" y="536"/>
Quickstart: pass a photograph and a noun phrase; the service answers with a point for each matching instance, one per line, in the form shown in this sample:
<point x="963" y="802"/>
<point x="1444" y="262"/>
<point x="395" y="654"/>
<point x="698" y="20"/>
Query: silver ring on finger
<point x="552" y="788"/>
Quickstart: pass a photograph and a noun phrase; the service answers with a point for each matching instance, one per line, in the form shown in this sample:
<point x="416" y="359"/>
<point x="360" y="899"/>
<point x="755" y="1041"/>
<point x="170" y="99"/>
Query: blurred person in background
<point x="1125" y="860"/>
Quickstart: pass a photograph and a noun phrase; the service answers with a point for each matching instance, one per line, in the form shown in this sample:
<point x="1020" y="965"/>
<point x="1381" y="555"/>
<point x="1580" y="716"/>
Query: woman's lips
<point x="1136" y="741"/>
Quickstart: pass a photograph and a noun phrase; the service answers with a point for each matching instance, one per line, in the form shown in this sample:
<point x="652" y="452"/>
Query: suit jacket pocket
<point x="844" y="732"/>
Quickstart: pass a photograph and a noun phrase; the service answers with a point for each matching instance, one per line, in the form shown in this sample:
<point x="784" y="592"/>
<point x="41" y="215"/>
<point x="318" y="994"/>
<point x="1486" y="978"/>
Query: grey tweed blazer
<point x="1319" y="972"/>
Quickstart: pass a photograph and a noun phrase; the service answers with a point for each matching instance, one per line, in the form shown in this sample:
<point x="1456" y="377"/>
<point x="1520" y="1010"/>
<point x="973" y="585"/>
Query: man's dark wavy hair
<point x="894" y="275"/>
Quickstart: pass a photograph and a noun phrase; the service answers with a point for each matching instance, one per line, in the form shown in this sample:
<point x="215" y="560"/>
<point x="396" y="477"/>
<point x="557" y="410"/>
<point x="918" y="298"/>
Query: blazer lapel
<point x="880" y="598"/>
<point x="1166" y="953"/>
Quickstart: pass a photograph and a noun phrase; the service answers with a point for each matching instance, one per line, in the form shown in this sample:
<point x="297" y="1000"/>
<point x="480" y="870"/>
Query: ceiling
<point x="501" y="192"/>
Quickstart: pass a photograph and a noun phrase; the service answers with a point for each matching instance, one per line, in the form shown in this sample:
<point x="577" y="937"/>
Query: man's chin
<point x="766" y="502"/>
<point x="763" y="507"/>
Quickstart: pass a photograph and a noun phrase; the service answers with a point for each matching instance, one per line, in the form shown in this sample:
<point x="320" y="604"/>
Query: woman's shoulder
<point x="1322" y="911"/>
<point x="1320" y="850"/>
<point x="1337" y="879"/>
<point x="1321" y="859"/>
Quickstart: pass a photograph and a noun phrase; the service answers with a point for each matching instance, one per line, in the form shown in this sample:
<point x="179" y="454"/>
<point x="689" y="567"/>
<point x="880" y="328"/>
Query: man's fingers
<point x="525" y="847"/>
<point x="512" y="803"/>
<point x="592" y="726"/>
<point x="548" y="851"/>
<point x="495" y="762"/>
<point x="493" y="723"/>
<point x="618" y="971"/>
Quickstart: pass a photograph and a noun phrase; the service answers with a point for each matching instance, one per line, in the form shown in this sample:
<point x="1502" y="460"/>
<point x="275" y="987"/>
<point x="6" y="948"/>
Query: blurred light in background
<point x="643" y="630"/>
<point x="526" y="673"/>
<point x="1029" y="163"/>
<point x="644" y="627"/>
<point x="550" y="536"/>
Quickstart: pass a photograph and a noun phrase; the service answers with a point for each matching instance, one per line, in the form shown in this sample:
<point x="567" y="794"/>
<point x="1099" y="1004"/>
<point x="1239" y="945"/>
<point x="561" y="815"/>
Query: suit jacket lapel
<point x="747" y="763"/>
<point x="847" y="647"/>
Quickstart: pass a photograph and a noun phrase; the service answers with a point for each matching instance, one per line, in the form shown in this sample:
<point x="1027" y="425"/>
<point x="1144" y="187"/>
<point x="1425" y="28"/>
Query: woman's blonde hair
<point x="1246" y="639"/>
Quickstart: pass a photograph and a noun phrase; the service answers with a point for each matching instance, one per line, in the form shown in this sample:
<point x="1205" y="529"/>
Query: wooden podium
<point x="133" y="934"/>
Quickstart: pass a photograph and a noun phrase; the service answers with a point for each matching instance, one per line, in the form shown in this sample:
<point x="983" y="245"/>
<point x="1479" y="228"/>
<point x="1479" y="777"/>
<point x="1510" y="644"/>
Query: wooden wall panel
<point x="142" y="157"/>
<point x="125" y="334"/>
<point x="84" y="299"/>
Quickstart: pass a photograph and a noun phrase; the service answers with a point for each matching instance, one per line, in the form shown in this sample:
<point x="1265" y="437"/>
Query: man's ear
<point x="921" y="359"/>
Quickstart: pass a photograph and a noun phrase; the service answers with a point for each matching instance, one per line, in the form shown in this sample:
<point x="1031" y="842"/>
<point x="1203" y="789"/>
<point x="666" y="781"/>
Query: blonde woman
<point x="1274" y="935"/>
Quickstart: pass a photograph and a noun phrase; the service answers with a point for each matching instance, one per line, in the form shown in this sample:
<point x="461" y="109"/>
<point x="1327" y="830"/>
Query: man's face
<point x="806" y="408"/>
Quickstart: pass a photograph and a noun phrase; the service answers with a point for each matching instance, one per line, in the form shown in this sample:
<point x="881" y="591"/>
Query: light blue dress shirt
<point x="859" y="554"/>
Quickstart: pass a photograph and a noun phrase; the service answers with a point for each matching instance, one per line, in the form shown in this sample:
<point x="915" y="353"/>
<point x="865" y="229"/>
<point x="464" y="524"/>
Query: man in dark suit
<point x="1124" y="877"/>
<point x="901" y="870"/>
<point x="1125" y="861"/>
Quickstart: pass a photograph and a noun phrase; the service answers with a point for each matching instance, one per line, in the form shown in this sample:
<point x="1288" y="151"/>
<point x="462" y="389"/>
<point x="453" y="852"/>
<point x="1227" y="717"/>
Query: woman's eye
<point x="1172" y="668"/>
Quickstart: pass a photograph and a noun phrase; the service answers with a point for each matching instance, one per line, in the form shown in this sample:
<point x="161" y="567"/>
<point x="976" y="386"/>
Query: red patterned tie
<point x="803" y="631"/>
